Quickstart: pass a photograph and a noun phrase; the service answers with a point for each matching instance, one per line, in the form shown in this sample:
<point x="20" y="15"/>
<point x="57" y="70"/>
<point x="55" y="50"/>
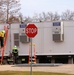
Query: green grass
<point x="28" y="73"/>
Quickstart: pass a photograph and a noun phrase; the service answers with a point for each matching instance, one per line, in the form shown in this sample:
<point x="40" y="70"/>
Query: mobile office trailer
<point x="53" y="43"/>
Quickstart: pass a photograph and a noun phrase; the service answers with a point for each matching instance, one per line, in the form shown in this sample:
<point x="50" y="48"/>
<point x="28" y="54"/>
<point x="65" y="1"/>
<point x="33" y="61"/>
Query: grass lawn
<point x="28" y="73"/>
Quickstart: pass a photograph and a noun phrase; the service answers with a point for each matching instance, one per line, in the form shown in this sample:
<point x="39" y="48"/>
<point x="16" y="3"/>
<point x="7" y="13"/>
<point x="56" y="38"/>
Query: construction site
<point x="53" y="44"/>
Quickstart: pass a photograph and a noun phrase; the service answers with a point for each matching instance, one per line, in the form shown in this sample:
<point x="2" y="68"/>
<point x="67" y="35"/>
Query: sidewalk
<point x="59" y="69"/>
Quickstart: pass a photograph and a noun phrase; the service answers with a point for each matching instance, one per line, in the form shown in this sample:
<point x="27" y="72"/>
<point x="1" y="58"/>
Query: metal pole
<point x="31" y="58"/>
<point x="7" y="11"/>
<point x="10" y="38"/>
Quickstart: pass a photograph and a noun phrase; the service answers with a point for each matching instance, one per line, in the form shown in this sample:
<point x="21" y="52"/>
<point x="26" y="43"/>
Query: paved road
<point x="58" y="68"/>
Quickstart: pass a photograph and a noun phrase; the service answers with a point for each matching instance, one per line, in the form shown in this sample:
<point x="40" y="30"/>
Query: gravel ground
<point x="59" y="69"/>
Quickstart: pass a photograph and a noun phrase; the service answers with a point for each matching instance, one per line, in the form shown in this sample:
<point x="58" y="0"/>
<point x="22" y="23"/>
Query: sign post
<point x="31" y="58"/>
<point x="31" y="31"/>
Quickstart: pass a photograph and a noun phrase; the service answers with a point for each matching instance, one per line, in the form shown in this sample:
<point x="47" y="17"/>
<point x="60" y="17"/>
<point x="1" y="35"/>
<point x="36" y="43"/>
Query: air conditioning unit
<point x="58" y="31"/>
<point x="24" y="38"/>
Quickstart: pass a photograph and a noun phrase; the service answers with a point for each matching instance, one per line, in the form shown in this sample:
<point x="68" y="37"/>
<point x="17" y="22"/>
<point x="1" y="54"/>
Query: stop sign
<point x="31" y="30"/>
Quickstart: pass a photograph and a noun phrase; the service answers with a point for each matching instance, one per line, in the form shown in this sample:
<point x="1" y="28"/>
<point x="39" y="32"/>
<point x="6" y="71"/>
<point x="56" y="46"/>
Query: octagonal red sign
<point x="31" y="30"/>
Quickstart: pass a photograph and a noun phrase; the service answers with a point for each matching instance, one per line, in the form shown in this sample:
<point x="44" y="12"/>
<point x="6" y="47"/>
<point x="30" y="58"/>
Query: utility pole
<point x="7" y="11"/>
<point x="7" y="21"/>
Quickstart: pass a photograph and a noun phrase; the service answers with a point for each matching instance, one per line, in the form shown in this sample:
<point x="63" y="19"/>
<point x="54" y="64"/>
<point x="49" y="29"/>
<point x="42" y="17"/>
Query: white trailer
<point x="54" y="41"/>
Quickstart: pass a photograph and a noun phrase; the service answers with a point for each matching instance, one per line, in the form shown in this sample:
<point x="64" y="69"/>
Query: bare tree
<point x="38" y="17"/>
<point x="35" y="18"/>
<point x="28" y="20"/>
<point x="10" y="7"/>
<point x="13" y="19"/>
<point x="67" y="15"/>
<point x="50" y="16"/>
<point x="47" y="16"/>
<point x="1" y="12"/>
<point x="41" y="18"/>
<point x="56" y="16"/>
<point x="20" y="16"/>
<point x="44" y="16"/>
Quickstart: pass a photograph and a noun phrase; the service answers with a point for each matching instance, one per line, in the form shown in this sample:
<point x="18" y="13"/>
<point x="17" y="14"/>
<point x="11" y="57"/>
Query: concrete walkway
<point x="59" y="69"/>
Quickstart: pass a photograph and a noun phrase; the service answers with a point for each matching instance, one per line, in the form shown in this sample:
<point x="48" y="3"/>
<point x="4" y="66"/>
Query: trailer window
<point x="16" y="39"/>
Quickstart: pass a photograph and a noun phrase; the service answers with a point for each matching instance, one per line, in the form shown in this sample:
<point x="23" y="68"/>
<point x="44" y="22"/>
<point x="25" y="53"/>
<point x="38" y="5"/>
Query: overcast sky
<point x="30" y="7"/>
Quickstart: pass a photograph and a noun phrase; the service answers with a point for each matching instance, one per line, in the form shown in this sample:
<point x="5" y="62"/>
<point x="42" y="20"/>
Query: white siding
<point x="43" y="40"/>
<point x="7" y="48"/>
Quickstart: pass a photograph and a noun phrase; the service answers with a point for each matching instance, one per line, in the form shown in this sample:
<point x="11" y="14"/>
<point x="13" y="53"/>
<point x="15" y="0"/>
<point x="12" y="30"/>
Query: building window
<point x="16" y="39"/>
